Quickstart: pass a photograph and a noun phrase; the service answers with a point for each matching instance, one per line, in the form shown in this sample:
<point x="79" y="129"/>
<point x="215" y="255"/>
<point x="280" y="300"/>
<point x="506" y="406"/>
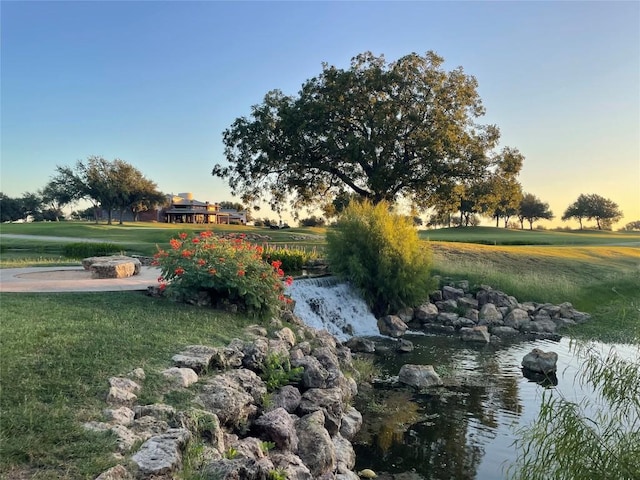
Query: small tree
<point x="593" y="207"/>
<point x="632" y="226"/>
<point x="380" y="253"/>
<point x="532" y="209"/>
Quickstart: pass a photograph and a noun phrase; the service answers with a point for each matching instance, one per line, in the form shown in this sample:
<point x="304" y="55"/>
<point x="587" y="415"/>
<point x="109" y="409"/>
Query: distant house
<point x="183" y="208"/>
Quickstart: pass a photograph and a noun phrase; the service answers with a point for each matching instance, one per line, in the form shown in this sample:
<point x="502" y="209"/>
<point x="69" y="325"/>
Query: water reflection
<point x="463" y="430"/>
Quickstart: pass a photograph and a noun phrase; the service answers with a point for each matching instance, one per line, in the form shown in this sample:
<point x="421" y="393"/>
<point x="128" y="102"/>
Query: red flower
<point x="241" y="273"/>
<point x="160" y="279"/>
<point x="202" y="261"/>
<point x="288" y="281"/>
<point x="212" y="271"/>
<point x="187" y="253"/>
<point x="175" y="244"/>
<point x="276" y="264"/>
<point x="195" y="240"/>
<point x="179" y="271"/>
<point x="162" y="286"/>
<point x="183" y="235"/>
<point x="280" y="272"/>
<point x="206" y="234"/>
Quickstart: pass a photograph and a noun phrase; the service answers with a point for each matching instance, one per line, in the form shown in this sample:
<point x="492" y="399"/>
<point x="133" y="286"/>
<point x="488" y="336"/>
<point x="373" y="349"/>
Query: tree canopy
<point x="378" y="130"/>
<point x="110" y="185"/>
<point x="593" y="207"/>
<point x="531" y="209"/>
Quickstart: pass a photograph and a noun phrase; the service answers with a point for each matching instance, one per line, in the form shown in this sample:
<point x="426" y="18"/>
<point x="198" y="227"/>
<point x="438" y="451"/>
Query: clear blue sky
<point x="156" y="83"/>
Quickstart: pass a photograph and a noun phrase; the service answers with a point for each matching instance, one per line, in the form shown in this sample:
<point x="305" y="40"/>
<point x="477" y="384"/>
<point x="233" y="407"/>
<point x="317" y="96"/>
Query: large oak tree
<point x="593" y="207"/>
<point x="379" y="130"/>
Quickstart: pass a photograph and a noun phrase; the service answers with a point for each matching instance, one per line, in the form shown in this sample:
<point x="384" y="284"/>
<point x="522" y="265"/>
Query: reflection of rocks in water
<point x="542" y="379"/>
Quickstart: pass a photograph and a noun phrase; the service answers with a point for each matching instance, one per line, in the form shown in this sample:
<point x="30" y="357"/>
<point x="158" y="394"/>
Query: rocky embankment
<point x="482" y="315"/>
<point x="273" y="407"/>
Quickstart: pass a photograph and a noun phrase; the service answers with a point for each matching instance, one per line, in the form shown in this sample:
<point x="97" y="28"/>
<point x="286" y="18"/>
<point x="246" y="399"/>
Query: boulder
<point x="392" y="326"/>
<point x="196" y="357"/>
<point x="419" y="376"/>
<point x="116" y="266"/>
<point x="490" y="315"/>
<point x="351" y="423"/>
<point x="232" y="405"/>
<point x="479" y="333"/>
<point x="426" y="312"/>
<point x="326" y="400"/>
<point x="315" y="448"/>
<point x="162" y="454"/>
<point x="452" y="293"/>
<point x="287" y="397"/>
<point x="279" y="427"/>
<point x="516" y="318"/>
<point x="361" y="345"/>
<point x="180" y="377"/>
<point x="115" y="473"/>
<point x="540" y="362"/>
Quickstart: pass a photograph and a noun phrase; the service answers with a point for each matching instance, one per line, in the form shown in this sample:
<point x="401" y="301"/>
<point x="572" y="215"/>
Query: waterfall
<point x="325" y="303"/>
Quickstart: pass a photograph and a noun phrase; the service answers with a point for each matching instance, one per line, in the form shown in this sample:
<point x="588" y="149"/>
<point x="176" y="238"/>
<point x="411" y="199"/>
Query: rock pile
<point x="248" y="420"/>
<point x="484" y="316"/>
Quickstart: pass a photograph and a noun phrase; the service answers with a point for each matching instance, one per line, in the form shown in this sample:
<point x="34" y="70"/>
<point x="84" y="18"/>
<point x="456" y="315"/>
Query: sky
<point x="156" y="83"/>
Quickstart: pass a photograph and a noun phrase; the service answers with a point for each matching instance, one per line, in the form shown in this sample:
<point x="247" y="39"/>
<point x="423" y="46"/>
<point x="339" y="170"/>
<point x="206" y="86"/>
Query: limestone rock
<point x="315" y="449"/>
<point x="328" y="401"/>
<point x="115" y="473"/>
<point x="351" y="423"/>
<point x="161" y="455"/>
<point x="292" y="465"/>
<point x="490" y="315"/>
<point x="361" y="345"/>
<point x="279" y="427"/>
<point x="540" y="362"/>
<point x="120" y="416"/>
<point x="392" y="326"/>
<point x="426" y="312"/>
<point x="180" y="377"/>
<point x="419" y="376"/>
<point x="516" y="318"/>
<point x="196" y="357"/>
<point x="287" y="397"/>
<point x="479" y="333"/>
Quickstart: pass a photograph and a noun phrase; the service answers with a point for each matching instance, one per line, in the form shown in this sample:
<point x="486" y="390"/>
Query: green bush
<point x="228" y="270"/>
<point x="278" y="372"/>
<point x="292" y="259"/>
<point x="380" y="254"/>
<point x="90" y="249"/>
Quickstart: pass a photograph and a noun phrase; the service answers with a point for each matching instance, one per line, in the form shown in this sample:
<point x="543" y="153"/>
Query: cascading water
<point x="325" y="303"/>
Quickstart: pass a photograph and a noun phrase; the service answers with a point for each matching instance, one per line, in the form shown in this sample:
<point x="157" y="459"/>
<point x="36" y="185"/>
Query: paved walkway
<point x="71" y="279"/>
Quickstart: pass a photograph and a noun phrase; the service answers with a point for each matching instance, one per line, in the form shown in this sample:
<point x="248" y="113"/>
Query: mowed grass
<point x="502" y="236"/>
<point x="137" y="238"/>
<point x="58" y="352"/>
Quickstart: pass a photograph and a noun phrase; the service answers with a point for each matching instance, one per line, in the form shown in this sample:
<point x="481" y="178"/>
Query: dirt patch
<point x="80" y="274"/>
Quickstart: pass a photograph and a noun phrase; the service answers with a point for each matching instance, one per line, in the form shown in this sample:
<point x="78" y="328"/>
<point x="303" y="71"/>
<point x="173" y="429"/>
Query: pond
<point x="463" y="430"/>
<point x="466" y="429"/>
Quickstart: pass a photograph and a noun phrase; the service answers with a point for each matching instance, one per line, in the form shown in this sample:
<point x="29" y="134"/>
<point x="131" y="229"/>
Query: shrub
<point x="89" y="249"/>
<point x="313" y="221"/>
<point x="278" y="372"/>
<point x="380" y="253"/>
<point x="226" y="269"/>
<point x="292" y="259"/>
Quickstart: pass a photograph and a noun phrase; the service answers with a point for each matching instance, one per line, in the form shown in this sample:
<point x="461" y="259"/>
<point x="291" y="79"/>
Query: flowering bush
<point x="227" y="270"/>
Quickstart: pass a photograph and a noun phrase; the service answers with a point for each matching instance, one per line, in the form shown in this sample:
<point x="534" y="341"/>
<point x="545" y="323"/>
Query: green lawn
<point x="501" y="236"/>
<point x="58" y="352"/>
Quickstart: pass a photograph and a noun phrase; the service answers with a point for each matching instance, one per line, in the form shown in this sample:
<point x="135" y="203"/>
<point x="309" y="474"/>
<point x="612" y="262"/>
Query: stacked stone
<point x="484" y="316"/>
<point x="310" y="424"/>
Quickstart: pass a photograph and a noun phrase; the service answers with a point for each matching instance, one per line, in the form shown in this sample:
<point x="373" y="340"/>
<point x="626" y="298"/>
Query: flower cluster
<point x="227" y="269"/>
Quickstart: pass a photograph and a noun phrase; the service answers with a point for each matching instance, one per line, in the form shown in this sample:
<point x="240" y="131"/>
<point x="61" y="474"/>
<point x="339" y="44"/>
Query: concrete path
<point x="71" y="279"/>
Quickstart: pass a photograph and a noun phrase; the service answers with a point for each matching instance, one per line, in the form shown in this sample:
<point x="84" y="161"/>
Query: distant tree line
<point x="111" y="186"/>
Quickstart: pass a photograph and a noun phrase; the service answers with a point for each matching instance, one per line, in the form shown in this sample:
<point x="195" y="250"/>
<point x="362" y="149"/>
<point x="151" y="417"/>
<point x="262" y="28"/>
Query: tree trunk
<point x="530" y="224"/>
<point x="497" y="221"/>
<point x="580" y="222"/>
